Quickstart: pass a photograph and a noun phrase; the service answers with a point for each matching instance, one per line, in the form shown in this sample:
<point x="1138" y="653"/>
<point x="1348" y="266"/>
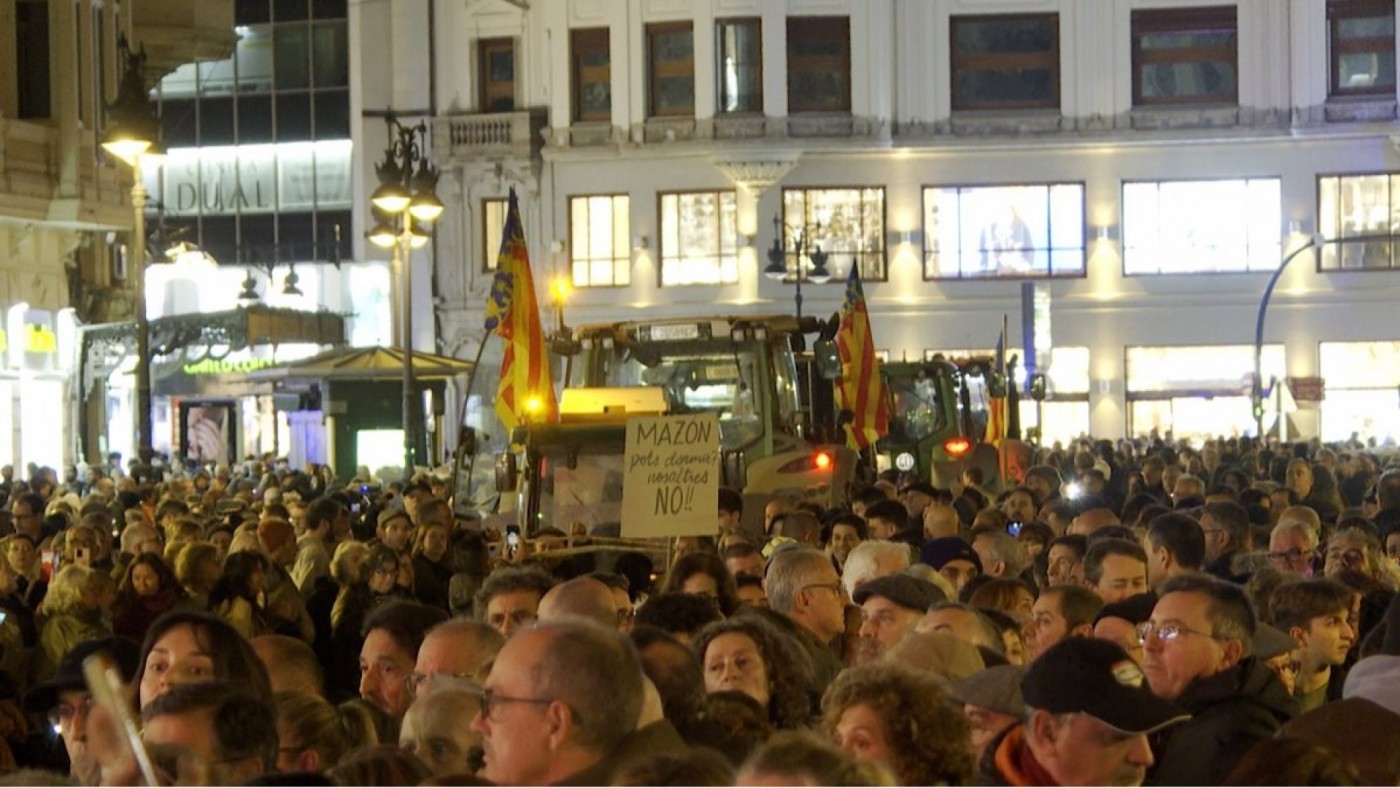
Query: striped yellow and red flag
<point x="997" y="416"/>
<point x="526" y="392"/>
<point x="862" y="389"/>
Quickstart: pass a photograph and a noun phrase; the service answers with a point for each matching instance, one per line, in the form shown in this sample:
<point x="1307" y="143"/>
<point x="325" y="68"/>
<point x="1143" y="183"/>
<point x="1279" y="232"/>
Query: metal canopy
<point x="194" y="337"/>
<point x="375" y="363"/>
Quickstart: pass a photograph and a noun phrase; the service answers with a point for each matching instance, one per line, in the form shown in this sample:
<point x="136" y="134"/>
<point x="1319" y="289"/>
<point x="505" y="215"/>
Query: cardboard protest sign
<point x="670" y="483"/>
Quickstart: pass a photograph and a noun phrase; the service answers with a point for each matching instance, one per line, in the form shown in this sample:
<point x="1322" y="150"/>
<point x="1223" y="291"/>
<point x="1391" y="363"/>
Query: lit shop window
<point x="1351" y="211"/>
<point x="999" y="231"/>
<point x="848" y="225"/>
<point x="598" y="241"/>
<point x="1184" y="227"/>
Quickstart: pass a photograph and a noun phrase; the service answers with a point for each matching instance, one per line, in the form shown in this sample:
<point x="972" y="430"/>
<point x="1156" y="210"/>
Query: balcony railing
<point x="467" y="138"/>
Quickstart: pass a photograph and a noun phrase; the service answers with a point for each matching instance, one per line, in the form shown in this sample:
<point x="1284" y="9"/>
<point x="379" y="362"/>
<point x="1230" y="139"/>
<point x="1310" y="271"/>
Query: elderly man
<point x="561" y="697"/>
<point x="582" y="597"/>
<point x="890" y="607"/>
<point x="802" y="585"/>
<point x="457" y="650"/>
<point x="870" y="560"/>
<point x="1293" y="547"/>
<point x="1089" y="715"/>
<point x="1197" y="652"/>
<point x="1002" y="554"/>
<point x="433" y="730"/>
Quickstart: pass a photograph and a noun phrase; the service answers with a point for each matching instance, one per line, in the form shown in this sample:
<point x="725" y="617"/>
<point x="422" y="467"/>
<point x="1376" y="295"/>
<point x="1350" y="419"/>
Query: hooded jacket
<point x="1230" y="713"/>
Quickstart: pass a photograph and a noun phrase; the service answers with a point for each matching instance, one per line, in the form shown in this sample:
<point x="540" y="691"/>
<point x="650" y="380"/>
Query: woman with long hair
<point x="236" y="598"/>
<point x="198" y="568"/>
<point x="704" y="574"/>
<point x="749" y="655"/>
<point x="147" y="591"/>
<point x="184" y="647"/>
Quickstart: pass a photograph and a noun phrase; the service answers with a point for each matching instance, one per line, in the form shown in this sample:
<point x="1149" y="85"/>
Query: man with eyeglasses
<point x="1292" y="548"/>
<point x="1088" y="716"/>
<point x="27" y="513"/>
<point x="802" y="585"/>
<point x="66" y="701"/>
<point x="561" y="698"/>
<point x="393" y="634"/>
<point x="1199" y="653"/>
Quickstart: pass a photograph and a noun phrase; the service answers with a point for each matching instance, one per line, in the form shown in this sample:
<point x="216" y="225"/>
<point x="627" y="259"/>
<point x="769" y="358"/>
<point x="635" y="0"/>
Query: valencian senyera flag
<point x="997" y="416"/>
<point x="526" y="392"/>
<point x="862" y="389"/>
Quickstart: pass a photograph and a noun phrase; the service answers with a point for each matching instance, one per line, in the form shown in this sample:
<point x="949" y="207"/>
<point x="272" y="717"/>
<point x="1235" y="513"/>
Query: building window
<point x="740" y="77"/>
<point x="493" y="222"/>
<point x="699" y="238"/>
<point x="982" y="231"/>
<point x="1007" y="61"/>
<point x="496" y="70"/>
<point x="599" y="249"/>
<point x="1361" y="43"/>
<point x="1185" y="227"/>
<point x="592" y="75"/>
<point x="671" y="69"/>
<point x="819" y="64"/>
<point x="1351" y="211"/>
<point x="847" y="223"/>
<point x="31" y="22"/>
<point x="1185" y="56"/>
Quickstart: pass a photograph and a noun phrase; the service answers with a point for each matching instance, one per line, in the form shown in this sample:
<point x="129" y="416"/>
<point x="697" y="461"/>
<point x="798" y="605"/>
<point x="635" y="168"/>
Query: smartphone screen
<point x="512" y="539"/>
<point x="48" y="564"/>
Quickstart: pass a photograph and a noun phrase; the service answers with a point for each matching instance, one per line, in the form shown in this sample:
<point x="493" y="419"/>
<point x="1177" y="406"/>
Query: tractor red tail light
<point x="822" y="460"/>
<point x="957" y="447"/>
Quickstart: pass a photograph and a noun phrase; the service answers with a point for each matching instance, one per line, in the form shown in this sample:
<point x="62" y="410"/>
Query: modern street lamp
<point x="1314" y="241"/>
<point x="132" y="138"/>
<point x="777" y="268"/>
<point x="405" y="200"/>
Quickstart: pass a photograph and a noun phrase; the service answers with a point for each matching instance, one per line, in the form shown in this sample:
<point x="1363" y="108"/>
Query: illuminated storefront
<point x="1362" y="394"/>
<point x="1195" y="392"/>
<point x="36" y="348"/>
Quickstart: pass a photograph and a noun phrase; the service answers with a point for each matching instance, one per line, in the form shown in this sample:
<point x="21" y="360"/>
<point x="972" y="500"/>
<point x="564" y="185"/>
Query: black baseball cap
<point x="1098" y="678"/>
<point x="124" y="653"/>
<point x="938" y="552"/>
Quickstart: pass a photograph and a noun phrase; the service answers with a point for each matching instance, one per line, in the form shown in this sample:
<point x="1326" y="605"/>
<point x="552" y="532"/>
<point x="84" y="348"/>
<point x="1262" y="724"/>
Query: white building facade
<point x="1145" y="165"/>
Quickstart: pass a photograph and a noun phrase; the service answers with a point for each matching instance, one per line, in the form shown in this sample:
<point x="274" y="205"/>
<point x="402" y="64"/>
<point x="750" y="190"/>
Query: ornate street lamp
<point x="132" y="137"/>
<point x="405" y="199"/>
<point x="777" y="268"/>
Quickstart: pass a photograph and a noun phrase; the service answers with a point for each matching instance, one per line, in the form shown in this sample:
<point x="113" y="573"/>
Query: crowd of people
<point x="1139" y="613"/>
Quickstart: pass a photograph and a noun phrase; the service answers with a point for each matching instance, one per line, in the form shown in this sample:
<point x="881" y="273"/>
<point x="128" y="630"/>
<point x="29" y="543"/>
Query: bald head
<point x="582" y="597"/>
<point x="1092" y="520"/>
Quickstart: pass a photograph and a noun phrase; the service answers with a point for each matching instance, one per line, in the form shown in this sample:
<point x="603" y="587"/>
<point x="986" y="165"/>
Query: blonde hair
<point x="65" y="594"/>
<point x="347" y="565"/>
<point x="313" y="723"/>
<point x="190" y="556"/>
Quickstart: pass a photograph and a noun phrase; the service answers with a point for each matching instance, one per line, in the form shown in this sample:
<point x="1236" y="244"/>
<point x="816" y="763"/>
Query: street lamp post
<point x="406" y="193"/>
<point x="132" y="138"/>
<point x="777" y="268"/>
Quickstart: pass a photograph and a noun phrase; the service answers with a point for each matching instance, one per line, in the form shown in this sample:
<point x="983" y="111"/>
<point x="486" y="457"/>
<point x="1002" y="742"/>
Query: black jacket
<point x="1231" y="712"/>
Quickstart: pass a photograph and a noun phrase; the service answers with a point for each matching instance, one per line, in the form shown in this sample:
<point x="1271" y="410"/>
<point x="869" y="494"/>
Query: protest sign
<point x="670" y="483"/>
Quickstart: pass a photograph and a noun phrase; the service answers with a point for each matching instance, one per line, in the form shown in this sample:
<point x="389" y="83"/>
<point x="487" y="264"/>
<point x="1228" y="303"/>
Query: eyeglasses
<point x="489" y="700"/>
<point x="62" y="714"/>
<point x="834" y="587"/>
<point x="1168" y="632"/>
<point x="1348" y="557"/>
<point x="418" y="683"/>
<point x="1290" y="556"/>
